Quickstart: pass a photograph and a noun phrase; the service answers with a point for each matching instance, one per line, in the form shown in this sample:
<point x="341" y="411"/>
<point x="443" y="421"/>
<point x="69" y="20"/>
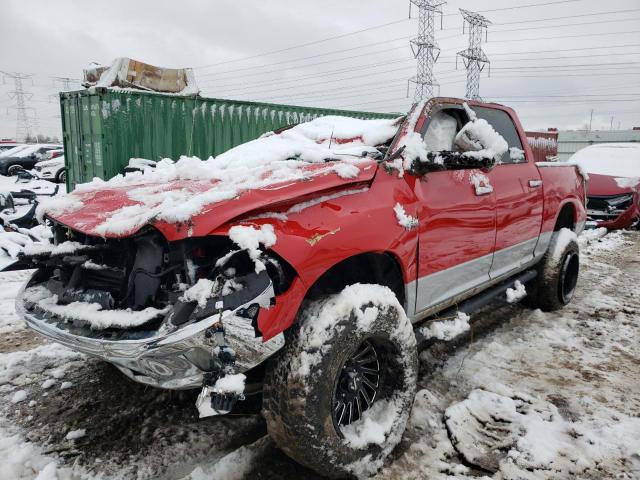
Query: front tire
<point x="61" y="177"/>
<point x="558" y="271"/>
<point x="350" y="362"/>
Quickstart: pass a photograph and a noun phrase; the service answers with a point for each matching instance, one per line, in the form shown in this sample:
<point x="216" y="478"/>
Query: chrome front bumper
<point x="175" y="359"/>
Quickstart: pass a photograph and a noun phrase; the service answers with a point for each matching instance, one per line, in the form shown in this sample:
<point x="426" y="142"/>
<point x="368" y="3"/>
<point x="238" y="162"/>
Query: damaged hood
<point x="605" y="185"/>
<point x="183" y="208"/>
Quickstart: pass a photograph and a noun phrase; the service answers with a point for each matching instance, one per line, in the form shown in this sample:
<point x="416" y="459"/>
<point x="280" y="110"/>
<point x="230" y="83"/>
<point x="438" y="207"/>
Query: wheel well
<point x="378" y="268"/>
<point x="566" y="218"/>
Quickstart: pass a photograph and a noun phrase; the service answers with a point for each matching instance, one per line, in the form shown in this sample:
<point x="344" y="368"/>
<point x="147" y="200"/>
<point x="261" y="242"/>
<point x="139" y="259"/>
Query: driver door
<point x="457" y="216"/>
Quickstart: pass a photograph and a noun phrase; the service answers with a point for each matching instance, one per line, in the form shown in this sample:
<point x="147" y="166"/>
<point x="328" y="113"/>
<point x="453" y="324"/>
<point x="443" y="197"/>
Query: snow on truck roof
<point x="614" y="159"/>
<point x="270" y="159"/>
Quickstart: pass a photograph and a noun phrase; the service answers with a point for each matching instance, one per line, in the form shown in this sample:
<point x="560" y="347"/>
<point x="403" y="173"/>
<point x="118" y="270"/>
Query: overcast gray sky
<point x="552" y="63"/>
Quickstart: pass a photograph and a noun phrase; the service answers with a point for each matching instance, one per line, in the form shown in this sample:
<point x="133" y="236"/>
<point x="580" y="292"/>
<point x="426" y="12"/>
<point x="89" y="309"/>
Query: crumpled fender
<point x="322" y="235"/>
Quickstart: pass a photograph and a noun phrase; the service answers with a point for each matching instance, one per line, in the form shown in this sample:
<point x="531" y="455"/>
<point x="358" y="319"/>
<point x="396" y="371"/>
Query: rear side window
<point x="502" y="123"/>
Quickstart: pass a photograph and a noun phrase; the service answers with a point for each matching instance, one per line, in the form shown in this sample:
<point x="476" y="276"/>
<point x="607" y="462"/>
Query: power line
<point x="580" y="15"/>
<point x="405" y="37"/>
<point x="238" y="87"/>
<point x="308" y="44"/>
<point x="374" y="27"/>
<point x="447" y="50"/>
<point x="565" y="36"/>
<point x="556" y="37"/>
<point x="581" y="24"/>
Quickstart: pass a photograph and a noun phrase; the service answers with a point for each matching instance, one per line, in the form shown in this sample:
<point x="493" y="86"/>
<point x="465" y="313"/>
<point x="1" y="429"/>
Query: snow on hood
<point x="613" y="159"/>
<point x="608" y="185"/>
<point x="54" y="162"/>
<point x="175" y="192"/>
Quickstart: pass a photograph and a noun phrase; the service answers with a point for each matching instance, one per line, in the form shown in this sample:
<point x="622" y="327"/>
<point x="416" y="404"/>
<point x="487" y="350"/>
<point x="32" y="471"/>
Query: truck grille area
<point x="608" y="207"/>
<point x="125" y="288"/>
<point x="112" y="280"/>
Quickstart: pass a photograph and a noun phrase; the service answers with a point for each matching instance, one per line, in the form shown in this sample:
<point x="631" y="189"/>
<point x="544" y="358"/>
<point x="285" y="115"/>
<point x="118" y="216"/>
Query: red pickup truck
<point x="297" y="266"/>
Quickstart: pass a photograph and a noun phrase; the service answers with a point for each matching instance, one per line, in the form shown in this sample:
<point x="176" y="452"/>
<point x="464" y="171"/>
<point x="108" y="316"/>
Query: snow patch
<point x="249" y="238"/>
<point x="499" y="429"/>
<point x="91" y="313"/>
<point x="480" y="182"/>
<point x="447" y="329"/>
<point x="517" y="293"/>
<point x="230" y="384"/>
<point x="346" y="170"/>
<point x="203" y="290"/>
<point x="406" y="221"/>
<point x="48" y="383"/>
<point x="627" y="182"/>
<point x="479" y="136"/>
<point x="374" y="426"/>
<point x="235" y="465"/>
<point x="563" y="237"/>
<point x="440" y="133"/>
<point x="19" y="396"/>
<point x="613" y="159"/>
<point x="516" y="154"/>
<point x="76" y="434"/>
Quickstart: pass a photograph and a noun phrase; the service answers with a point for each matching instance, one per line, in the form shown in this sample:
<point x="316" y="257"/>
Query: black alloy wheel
<point x="357" y="386"/>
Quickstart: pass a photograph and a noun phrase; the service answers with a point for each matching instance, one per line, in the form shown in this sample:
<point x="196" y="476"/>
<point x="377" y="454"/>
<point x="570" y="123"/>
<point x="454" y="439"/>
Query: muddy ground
<point x="590" y="351"/>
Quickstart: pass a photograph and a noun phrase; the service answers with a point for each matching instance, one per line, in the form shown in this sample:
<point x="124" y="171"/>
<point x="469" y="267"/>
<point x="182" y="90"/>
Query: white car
<point x="52" y="170"/>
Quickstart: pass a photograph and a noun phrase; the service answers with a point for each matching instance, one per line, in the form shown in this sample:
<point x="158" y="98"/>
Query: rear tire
<point x="331" y="355"/>
<point x="555" y="284"/>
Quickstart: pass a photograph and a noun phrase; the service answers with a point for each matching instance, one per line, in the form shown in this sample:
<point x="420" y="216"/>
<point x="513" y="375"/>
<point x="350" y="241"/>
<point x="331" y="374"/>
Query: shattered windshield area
<point x="453" y="137"/>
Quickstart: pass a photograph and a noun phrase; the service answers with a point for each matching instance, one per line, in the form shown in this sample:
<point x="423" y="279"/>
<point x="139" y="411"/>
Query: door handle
<point x="535" y="183"/>
<point x="483" y="190"/>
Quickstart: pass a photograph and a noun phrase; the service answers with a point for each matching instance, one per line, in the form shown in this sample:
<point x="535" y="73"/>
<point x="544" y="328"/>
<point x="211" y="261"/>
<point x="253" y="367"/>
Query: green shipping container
<point x="103" y="129"/>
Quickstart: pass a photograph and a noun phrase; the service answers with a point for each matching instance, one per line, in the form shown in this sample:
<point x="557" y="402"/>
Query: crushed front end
<point x="172" y="315"/>
<point x="614" y="211"/>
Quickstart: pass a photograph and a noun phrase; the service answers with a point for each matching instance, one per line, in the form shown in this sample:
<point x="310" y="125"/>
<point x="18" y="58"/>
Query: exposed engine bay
<point x="173" y="315"/>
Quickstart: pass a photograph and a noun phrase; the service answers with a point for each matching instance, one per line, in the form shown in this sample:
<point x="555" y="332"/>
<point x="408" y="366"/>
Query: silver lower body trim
<point x="443" y="289"/>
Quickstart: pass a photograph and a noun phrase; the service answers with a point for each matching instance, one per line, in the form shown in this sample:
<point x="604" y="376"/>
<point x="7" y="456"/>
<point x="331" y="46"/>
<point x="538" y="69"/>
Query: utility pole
<point x="425" y="48"/>
<point x="473" y="57"/>
<point x="591" y="120"/>
<point x="23" y="122"/>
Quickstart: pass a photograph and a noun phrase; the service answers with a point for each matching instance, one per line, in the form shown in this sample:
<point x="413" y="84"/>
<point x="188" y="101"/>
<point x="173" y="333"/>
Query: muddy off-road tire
<point x="339" y="347"/>
<point x="558" y="271"/>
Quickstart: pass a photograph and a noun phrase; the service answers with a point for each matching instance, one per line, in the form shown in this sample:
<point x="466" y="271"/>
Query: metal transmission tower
<point x="23" y="122"/>
<point x="425" y="48"/>
<point x="473" y="57"/>
<point x="65" y="82"/>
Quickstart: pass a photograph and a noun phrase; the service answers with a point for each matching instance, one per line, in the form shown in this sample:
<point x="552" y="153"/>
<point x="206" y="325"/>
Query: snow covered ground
<point x="519" y="395"/>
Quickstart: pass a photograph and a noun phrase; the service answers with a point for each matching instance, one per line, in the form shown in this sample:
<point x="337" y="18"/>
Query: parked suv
<point x="296" y="266"/>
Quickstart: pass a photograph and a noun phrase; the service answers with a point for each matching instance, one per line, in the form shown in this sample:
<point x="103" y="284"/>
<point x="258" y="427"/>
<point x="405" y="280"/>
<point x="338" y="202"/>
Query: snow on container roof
<point x="615" y="159"/>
